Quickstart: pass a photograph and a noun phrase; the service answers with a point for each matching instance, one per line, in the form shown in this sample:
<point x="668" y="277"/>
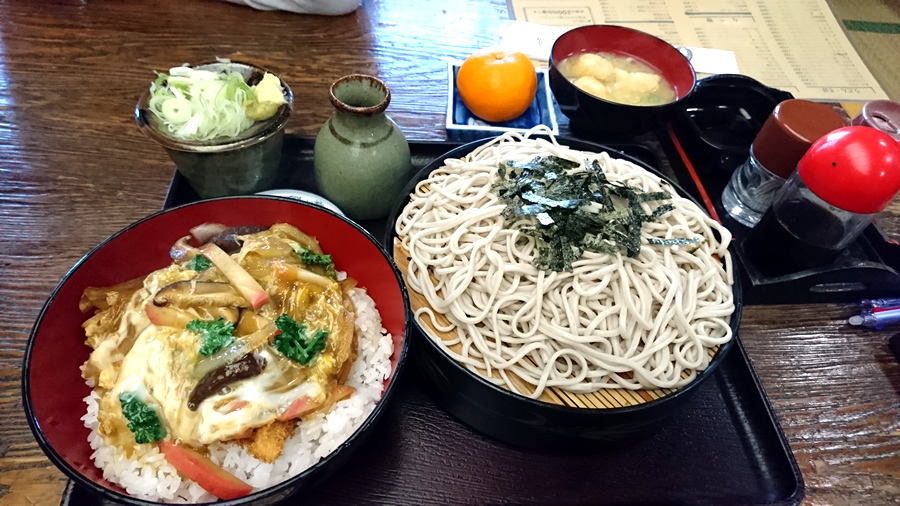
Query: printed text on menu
<point x="796" y="46"/>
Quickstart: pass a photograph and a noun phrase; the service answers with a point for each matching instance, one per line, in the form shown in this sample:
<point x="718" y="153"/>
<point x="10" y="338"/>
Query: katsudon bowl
<point x="557" y="419"/>
<point x="57" y="399"/>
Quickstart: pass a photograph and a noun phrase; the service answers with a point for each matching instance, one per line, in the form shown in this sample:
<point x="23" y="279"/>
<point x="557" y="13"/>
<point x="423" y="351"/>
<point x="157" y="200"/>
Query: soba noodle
<point x="612" y="322"/>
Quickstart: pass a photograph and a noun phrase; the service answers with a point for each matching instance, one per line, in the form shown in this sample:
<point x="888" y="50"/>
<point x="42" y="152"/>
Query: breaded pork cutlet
<point x="267" y="441"/>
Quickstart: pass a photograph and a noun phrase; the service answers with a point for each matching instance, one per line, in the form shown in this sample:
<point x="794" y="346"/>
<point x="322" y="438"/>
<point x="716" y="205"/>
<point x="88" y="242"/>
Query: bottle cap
<point x="883" y="115"/>
<point x="854" y="168"/>
<point x="789" y="131"/>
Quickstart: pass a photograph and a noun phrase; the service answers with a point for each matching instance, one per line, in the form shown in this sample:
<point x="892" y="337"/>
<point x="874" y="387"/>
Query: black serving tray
<point x="723" y="446"/>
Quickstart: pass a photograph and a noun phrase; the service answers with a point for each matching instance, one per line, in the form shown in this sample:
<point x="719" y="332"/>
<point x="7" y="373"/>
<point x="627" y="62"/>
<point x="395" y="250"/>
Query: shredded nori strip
<point x="548" y="189"/>
<point x="675" y="241"/>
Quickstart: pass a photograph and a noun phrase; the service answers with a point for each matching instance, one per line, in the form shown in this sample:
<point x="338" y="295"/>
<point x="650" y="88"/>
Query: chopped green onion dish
<point x="200" y="105"/>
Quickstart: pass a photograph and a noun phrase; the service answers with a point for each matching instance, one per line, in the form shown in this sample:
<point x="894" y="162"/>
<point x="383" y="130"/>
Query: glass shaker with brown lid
<point x="785" y="136"/>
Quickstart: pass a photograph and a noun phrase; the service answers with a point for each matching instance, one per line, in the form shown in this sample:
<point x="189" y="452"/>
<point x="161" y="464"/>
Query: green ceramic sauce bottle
<point x="361" y="157"/>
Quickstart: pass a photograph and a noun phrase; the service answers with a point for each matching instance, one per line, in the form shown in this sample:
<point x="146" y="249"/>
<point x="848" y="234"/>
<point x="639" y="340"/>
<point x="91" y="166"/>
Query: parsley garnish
<point x="293" y="342"/>
<point x="142" y="419"/>
<point x="199" y="263"/>
<point x="216" y="335"/>
<point x="309" y="258"/>
<point x="558" y="199"/>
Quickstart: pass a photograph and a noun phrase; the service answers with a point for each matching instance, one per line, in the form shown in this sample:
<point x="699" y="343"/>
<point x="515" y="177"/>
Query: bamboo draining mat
<point x="601" y="399"/>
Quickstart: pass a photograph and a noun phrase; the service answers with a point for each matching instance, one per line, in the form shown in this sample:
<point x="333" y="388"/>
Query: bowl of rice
<point x="231" y="351"/>
<point x="563" y="294"/>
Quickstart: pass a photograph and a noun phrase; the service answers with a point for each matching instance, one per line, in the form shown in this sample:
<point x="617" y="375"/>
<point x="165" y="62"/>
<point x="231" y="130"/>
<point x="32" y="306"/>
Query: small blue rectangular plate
<point x="462" y="125"/>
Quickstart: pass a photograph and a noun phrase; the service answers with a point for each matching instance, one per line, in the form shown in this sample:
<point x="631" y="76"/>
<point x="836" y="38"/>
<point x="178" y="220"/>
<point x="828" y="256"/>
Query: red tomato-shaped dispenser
<point x="841" y="183"/>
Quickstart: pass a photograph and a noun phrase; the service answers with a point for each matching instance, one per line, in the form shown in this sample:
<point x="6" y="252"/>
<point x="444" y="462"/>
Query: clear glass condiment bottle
<point x="783" y="139"/>
<point x="844" y="180"/>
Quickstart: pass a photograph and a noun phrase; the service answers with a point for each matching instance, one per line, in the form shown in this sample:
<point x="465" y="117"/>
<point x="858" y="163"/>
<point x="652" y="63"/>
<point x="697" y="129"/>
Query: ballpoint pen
<point x="880" y="303"/>
<point x="876" y="319"/>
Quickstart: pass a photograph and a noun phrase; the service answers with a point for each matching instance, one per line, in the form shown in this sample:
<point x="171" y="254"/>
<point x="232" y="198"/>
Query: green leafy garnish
<point x="309" y="259"/>
<point x="294" y="343"/>
<point x="142" y="419"/>
<point x="199" y="263"/>
<point x="576" y="211"/>
<point x="215" y="334"/>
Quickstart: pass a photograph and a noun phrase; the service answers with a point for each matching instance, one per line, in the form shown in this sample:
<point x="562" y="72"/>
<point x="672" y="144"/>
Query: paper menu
<point x="797" y="45"/>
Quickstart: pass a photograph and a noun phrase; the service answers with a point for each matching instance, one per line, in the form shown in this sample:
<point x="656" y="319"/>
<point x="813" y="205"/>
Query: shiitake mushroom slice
<point x="248" y="366"/>
<point x="192" y="293"/>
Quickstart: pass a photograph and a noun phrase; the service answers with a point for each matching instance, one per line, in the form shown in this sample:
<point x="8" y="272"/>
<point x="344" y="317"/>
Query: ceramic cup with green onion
<point x="240" y="165"/>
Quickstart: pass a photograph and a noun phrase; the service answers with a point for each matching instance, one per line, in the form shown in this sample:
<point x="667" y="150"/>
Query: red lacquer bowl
<point x="53" y="389"/>
<point x="602" y="115"/>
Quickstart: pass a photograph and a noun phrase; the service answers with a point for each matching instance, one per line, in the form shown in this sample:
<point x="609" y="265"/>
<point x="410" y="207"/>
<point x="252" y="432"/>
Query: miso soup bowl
<point x="600" y="115"/>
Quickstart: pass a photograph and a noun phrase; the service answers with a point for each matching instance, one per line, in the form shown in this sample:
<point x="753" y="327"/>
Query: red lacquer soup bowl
<point x="53" y="389"/>
<point x="598" y="114"/>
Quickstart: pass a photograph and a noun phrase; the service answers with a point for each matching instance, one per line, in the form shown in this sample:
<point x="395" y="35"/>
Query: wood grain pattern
<point x="74" y="169"/>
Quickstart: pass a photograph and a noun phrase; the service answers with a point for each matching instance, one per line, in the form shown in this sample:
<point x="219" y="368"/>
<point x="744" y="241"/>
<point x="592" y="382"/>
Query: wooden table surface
<point x="74" y="169"/>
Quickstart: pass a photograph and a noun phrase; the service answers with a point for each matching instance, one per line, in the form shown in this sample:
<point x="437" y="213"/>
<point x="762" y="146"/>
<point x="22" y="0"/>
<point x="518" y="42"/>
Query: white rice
<point x="147" y="475"/>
